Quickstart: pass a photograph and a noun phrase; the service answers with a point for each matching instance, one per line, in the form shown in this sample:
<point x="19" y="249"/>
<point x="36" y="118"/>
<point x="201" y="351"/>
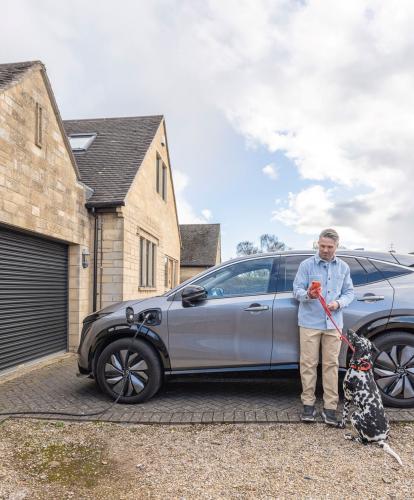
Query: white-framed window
<point x="170" y="272"/>
<point x="147" y="263"/>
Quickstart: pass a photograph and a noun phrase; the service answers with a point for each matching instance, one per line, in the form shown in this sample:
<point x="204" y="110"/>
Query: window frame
<point x="170" y="263"/>
<point x="304" y="255"/>
<point x="158" y="164"/>
<point x="147" y="278"/>
<point x="161" y="177"/>
<point x="164" y="182"/>
<point x="39" y="125"/>
<point x="90" y="136"/>
<point x="271" y="284"/>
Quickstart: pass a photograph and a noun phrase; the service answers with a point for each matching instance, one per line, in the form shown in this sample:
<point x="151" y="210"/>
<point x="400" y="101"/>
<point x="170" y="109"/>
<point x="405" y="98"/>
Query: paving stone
<point x="247" y="398"/>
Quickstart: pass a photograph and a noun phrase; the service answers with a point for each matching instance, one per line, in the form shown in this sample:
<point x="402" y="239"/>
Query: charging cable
<point x="92" y="414"/>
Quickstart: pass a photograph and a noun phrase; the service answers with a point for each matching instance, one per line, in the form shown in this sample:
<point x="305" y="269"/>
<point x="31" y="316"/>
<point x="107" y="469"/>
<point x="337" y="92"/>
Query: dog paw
<point x="348" y="436"/>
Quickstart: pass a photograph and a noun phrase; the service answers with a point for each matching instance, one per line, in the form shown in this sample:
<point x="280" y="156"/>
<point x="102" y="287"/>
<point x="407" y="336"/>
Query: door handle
<point x="370" y="298"/>
<point x="256" y="307"/>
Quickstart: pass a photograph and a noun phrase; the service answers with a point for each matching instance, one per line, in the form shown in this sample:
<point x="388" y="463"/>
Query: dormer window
<point x="81" y="142"/>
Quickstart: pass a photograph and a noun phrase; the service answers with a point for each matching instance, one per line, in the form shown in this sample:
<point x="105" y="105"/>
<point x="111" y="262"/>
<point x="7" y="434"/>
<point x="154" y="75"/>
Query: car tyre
<point x="393" y="368"/>
<point x="129" y="369"/>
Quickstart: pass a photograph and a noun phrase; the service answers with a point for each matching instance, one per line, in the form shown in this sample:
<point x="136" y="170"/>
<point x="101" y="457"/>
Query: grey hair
<point x="330" y="233"/>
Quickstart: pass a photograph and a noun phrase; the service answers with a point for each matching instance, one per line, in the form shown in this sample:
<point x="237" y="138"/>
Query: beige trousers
<point x="310" y="341"/>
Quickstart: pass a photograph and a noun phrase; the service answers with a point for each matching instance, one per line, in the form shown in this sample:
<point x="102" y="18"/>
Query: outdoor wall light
<point x="85" y="258"/>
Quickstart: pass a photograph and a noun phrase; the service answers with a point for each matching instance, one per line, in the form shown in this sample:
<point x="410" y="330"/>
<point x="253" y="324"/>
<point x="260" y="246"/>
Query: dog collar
<point x="364" y="366"/>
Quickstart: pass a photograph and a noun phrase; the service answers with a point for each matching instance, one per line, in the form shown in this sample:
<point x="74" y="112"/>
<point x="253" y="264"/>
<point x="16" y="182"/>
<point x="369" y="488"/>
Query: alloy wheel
<point x="394" y="371"/>
<point x="126" y="372"/>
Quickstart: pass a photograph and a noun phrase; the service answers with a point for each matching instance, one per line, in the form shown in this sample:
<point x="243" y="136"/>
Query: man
<point x="315" y="326"/>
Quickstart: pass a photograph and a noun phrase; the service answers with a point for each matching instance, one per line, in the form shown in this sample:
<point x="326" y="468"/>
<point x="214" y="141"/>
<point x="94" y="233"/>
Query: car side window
<point x="359" y="274"/>
<point x="288" y="268"/>
<point x="372" y="273"/>
<point x="389" y="270"/>
<point x="250" y="277"/>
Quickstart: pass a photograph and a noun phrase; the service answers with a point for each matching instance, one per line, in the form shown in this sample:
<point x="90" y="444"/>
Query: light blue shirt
<point x="335" y="279"/>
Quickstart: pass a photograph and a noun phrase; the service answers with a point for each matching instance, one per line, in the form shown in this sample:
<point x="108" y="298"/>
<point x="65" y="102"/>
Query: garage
<point x="33" y="297"/>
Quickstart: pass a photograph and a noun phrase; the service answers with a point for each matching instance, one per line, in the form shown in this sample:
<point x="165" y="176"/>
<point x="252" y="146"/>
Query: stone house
<point x="201" y="248"/>
<point x="105" y="192"/>
<point x="126" y="162"/>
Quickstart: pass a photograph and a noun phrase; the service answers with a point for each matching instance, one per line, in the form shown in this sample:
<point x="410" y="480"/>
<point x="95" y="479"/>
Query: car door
<point x="285" y="348"/>
<point x="373" y="298"/>
<point x="373" y="294"/>
<point x="233" y="326"/>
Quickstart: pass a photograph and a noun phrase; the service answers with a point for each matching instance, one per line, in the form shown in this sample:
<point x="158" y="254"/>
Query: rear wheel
<point x="394" y="368"/>
<point x="129" y="369"/>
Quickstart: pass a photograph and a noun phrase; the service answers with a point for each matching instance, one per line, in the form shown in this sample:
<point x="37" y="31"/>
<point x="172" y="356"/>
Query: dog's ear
<point x="351" y="333"/>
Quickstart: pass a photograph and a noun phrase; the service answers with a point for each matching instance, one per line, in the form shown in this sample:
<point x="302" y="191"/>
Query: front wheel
<point x="130" y="370"/>
<point x="394" y="368"/>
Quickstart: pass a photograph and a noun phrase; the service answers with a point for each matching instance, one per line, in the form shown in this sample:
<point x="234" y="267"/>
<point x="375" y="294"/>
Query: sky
<point x="283" y="117"/>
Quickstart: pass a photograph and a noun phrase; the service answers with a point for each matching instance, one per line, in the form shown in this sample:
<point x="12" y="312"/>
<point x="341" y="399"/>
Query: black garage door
<point x="33" y="297"/>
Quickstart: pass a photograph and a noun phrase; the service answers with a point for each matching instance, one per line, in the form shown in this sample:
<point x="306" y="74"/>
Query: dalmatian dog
<point x="360" y="390"/>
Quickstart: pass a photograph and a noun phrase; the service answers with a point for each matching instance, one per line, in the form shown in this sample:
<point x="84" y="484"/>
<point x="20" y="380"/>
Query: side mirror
<point x="130" y="316"/>
<point x="193" y="294"/>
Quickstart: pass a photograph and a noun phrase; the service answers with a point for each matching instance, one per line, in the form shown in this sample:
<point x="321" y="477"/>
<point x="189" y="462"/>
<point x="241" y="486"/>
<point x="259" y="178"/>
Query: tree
<point x="246" y="248"/>
<point x="268" y="243"/>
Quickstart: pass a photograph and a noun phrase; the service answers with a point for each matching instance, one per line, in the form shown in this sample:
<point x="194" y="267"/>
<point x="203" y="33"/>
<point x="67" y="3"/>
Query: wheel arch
<point x="379" y="326"/>
<point x="109" y="335"/>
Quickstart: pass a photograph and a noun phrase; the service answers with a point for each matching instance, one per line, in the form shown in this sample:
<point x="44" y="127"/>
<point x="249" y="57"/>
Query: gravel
<point x="53" y="459"/>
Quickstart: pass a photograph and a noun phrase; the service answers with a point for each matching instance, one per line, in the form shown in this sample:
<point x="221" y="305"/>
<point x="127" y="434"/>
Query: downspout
<point x="95" y="260"/>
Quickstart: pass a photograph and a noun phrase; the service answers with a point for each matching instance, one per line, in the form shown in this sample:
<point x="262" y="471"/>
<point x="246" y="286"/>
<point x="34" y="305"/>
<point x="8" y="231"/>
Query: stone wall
<point x="187" y="272"/>
<point x="39" y="189"/>
<point x="147" y="214"/>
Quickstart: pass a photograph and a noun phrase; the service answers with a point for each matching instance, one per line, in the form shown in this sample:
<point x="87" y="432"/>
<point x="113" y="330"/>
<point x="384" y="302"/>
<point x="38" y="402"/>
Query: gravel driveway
<point x="44" y="459"/>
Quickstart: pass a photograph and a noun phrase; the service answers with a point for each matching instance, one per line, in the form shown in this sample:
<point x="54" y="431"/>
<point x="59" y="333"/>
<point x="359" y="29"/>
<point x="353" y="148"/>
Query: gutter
<point x="105" y="204"/>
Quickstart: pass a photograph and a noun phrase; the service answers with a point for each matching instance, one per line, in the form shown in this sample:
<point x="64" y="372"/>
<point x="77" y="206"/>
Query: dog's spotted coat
<point x="368" y="419"/>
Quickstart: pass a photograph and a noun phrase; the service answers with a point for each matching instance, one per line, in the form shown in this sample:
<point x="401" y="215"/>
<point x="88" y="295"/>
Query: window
<point x="81" y="142"/>
<point x="161" y="178"/>
<point x="147" y="264"/>
<point x="287" y="271"/>
<point x="390" y="271"/>
<point x="170" y="272"/>
<point x="362" y="272"/>
<point x="251" y="277"/>
<point x="39" y="126"/>
<point x="164" y="182"/>
<point x="158" y="166"/>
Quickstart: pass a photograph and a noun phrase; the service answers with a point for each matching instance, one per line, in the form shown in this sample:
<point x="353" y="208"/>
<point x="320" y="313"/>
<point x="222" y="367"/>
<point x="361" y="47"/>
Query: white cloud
<point x="186" y="213"/>
<point x="328" y="83"/>
<point x="270" y="171"/>
<point x="313" y="209"/>
<point x="207" y="214"/>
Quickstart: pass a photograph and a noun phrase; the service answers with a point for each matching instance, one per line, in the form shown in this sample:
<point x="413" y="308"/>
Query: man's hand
<point x="313" y="293"/>
<point x="333" y="306"/>
<point x="314" y="290"/>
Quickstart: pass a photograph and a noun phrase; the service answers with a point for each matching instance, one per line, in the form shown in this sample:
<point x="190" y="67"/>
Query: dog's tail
<point x="387" y="448"/>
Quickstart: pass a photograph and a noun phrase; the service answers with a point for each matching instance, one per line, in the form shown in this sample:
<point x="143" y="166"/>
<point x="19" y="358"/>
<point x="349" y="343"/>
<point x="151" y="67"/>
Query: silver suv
<point x="241" y="316"/>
